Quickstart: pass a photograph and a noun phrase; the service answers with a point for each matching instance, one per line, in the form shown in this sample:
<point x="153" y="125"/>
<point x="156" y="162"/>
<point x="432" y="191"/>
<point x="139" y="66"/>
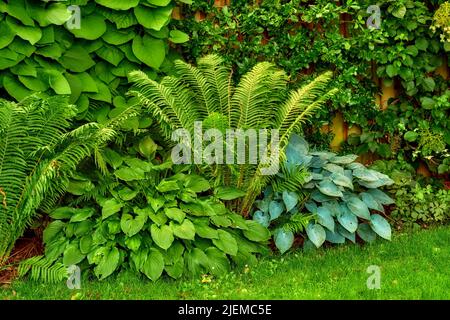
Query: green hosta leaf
<point x="29" y="33"/>
<point x="133" y="243"/>
<point x="161" y="3"/>
<point x="163" y="236"/>
<point x="262" y="218"/>
<point x="7" y="34"/>
<point x="156" y="203"/>
<point x="283" y="239"/>
<point x="325" y="218"/>
<point x="82" y="214"/>
<point x="131" y="226"/>
<point x="428" y="84"/>
<point x="358" y="207"/>
<point x="328" y="188"/>
<point x="197" y="184"/>
<point x="175" y="214"/>
<point x="103" y="94"/>
<point x="399" y="11"/>
<point x="154" y="265"/>
<point x="366" y="233"/>
<point x="185" y="230"/>
<point x="196" y="261"/>
<point x="14" y="88"/>
<point x="176" y="269"/>
<point x="229" y="193"/>
<point x="72" y="255"/>
<point x="341" y="180"/>
<point x="275" y="209"/>
<point x="56" y="14"/>
<point x="177" y="36"/>
<point x="256" y="232"/>
<point x="118" y="4"/>
<point x="35" y="84"/>
<point x="76" y="59"/>
<point x="344" y="159"/>
<point x="108" y="264"/>
<point x="334" y="237"/>
<point x="92" y="27"/>
<point x="217" y="261"/>
<point x="316" y="234"/>
<point x="153" y="18"/>
<point x="427" y="103"/>
<point x="348" y="220"/>
<point x="127" y="194"/>
<point x="380" y="226"/>
<point x="52" y="230"/>
<point x="111" y="54"/>
<point x="167" y="186"/>
<point x="381" y="197"/>
<point x="226" y="242"/>
<point x="290" y="199"/>
<point x="118" y="37"/>
<point x="205" y="231"/>
<point x="110" y="207"/>
<point x="86" y="244"/>
<point x="129" y="174"/>
<point x="58" y="82"/>
<point x="18" y="10"/>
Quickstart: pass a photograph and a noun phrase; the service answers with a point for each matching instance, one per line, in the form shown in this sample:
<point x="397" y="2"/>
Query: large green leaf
<point x="72" y="255"/>
<point x="118" y="37"/>
<point x="276" y="208"/>
<point x="161" y="3"/>
<point x="380" y="226"/>
<point x="217" y="261"/>
<point x="205" y="231"/>
<point x="154" y="265"/>
<point x="131" y="226"/>
<point x="175" y="214"/>
<point x="381" y="197"/>
<point x="58" y="82"/>
<point x="341" y="180"/>
<point x="92" y="27"/>
<point x="52" y="230"/>
<point x="18" y="10"/>
<point x="283" y="239"/>
<point x="118" y="4"/>
<point x="108" y="264"/>
<point x="163" y="236"/>
<point x="366" y="233"/>
<point x="226" y="242"/>
<point x="325" y="218"/>
<point x="111" y="54"/>
<point x="185" y="230"/>
<point x="129" y="174"/>
<point x="334" y="237"/>
<point x="76" y="59"/>
<point x="371" y="202"/>
<point x="290" y="199"/>
<point x="7" y="34"/>
<point x="348" y="220"/>
<point x="29" y="33"/>
<point x="177" y="36"/>
<point x="110" y="207"/>
<point x="153" y="18"/>
<point x="358" y="207"/>
<point x="256" y="232"/>
<point x="229" y="193"/>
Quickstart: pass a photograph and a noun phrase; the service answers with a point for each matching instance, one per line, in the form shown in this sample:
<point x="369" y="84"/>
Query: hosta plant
<point x="342" y="195"/>
<point x="151" y="217"/>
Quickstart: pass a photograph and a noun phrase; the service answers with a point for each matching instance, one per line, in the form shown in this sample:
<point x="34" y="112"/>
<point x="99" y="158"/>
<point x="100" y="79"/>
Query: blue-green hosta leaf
<point x="327" y="187"/>
<point x="341" y="180"/>
<point x="290" y="199"/>
<point x="163" y="236"/>
<point x="154" y="265"/>
<point x="263" y="204"/>
<point x="324" y="155"/>
<point x="118" y="4"/>
<point x="297" y="147"/>
<point x="311" y="206"/>
<point x="331" y="167"/>
<point x="110" y="207"/>
<point x="325" y="218"/>
<point x="376" y="184"/>
<point x="108" y="263"/>
<point x="371" y="202"/>
<point x="317" y="163"/>
<point x="262" y="218"/>
<point x="355" y="166"/>
<point x="366" y="233"/>
<point x="275" y="209"/>
<point x="381" y="197"/>
<point x="344" y="159"/>
<point x="283" y="239"/>
<point x="358" y="207"/>
<point x="334" y="237"/>
<point x="348" y="220"/>
<point x="185" y="230"/>
<point x="365" y="174"/>
<point x="91" y="27"/>
<point x="316" y="176"/>
<point x="318" y="196"/>
<point x="153" y="18"/>
<point x="333" y="206"/>
<point x="226" y="242"/>
<point x="347" y="234"/>
<point x="316" y="233"/>
<point x="380" y="226"/>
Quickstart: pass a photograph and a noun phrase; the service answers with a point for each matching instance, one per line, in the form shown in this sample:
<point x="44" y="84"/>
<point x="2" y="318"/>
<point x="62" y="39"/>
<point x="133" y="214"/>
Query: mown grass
<point x="413" y="266"/>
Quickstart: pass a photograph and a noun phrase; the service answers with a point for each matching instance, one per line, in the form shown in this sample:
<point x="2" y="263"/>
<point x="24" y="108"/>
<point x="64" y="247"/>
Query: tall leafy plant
<point x="37" y="155"/>
<point x="206" y="93"/>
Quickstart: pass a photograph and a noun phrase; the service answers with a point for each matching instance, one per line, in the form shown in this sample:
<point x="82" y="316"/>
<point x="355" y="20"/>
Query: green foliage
<point x="260" y="100"/>
<point x="151" y="217"/>
<point x="42" y="269"/>
<point x="38" y="155"/>
<point x="43" y="49"/>
<point x="418" y="205"/>
<point x="338" y="193"/>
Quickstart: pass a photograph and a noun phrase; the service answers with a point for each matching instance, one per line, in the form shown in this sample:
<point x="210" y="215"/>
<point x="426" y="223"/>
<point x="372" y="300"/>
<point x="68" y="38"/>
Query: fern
<point x="261" y="100"/>
<point x="297" y="223"/>
<point x="43" y="269"/>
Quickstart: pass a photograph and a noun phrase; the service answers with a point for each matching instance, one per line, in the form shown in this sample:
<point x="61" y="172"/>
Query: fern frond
<point x="43" y="269"/>
<point x="297" y="223"/>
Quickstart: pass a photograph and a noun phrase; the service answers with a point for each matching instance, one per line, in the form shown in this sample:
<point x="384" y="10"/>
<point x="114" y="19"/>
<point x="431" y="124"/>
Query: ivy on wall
<point x="85" y="49"/>
<point x="303" y="37"/>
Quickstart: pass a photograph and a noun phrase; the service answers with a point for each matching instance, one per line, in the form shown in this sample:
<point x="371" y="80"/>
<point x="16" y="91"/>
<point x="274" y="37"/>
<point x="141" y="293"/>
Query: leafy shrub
<point x="152" y="218"/>
<point x="38" y="154"/>
<point x="417" y="204"/>
<point x="339" y="192"/>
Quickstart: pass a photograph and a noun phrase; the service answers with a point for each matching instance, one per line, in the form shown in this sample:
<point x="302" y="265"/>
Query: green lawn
<point x="413" y="266"/>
